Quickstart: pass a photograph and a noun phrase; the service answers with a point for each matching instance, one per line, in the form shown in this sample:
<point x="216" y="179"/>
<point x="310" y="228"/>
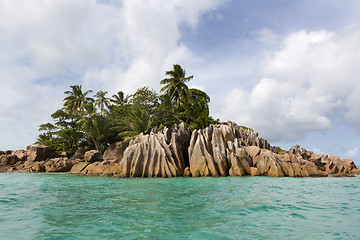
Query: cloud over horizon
<point x="308" y="82"/>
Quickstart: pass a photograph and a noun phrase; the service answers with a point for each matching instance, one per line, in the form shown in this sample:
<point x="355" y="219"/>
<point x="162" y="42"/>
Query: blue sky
<point x="288" y="69"/>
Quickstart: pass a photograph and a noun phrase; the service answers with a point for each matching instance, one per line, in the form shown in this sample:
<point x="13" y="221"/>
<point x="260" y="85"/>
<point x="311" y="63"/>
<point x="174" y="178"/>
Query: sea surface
<point x="63" y="206"/>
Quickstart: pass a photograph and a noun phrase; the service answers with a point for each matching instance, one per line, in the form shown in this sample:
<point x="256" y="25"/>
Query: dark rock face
<point x="159" y="154"/>
<point x="37" y="152"/>
<point x="115" y="151"/>
<point x="79" y="154"/>
<point x="92" y="156"/>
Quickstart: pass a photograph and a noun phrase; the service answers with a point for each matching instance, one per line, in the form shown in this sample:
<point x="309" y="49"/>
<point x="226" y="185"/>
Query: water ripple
<point x="61" y="206"/>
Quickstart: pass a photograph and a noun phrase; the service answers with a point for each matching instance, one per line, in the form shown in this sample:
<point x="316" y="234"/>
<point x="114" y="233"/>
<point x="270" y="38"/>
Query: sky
<point x="287" y="68"/>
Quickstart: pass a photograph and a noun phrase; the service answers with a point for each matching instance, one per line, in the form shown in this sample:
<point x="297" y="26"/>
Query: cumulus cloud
<point x="352" y="153"/>
<point x="308" y="81"/>
<point x="49" y="45"/>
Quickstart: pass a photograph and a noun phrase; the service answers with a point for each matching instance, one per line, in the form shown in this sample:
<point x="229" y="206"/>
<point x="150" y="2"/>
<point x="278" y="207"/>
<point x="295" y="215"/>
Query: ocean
<point x="64" y="206"/>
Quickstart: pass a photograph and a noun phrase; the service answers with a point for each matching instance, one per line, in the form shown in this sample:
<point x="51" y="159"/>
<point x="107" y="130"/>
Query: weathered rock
<point x="354" y="171"/>
<point x="266" y="161"/>
<point x="341" y="174"/>
<point x="77" y="168"/>
<point x="312" y="170"/>
<point x="32" y="167"/>
<point x="218" y="151"/>
<point x="187" y="172"/>
<point x="78" y="155"/>
<point x="20" y="154"/>
<point x="115" y="151"/>
<point x="8" y="159"/>
<point x="98" y="169"/>
<point x="254" y="171"/>
<point x="37" y="152"/>
<point x="159" y="154"/>
<point x="58" y="165"/>
<point x="37" y="167"/>
<point x="92" y="156"/>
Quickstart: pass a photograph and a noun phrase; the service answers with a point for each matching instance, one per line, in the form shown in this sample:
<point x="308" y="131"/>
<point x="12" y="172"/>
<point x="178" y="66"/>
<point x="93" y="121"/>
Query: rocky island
<point x="219" y="150"/>
<point x="147" y="134"/>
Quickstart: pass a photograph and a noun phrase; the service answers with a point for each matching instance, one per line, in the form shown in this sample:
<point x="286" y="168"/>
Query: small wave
<point x="263" y="208"/>
<point x="297" y="215"/>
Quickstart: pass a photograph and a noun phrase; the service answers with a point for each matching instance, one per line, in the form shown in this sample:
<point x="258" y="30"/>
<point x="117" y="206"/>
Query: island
<point x="150" y="135"/>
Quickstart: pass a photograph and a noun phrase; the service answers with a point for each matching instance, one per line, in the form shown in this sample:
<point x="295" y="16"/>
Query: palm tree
<point x="89" y="122"/>
<point x="175" y="85"/>
<point x="119" y="98"/>
<point x="139" y="121"/>
<point x="76" y="99"/>
<point x="102" y="101"/>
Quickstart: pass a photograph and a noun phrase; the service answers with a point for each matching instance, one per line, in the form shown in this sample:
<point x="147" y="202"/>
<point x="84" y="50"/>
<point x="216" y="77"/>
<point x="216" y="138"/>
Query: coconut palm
<point x="76" y="99"/>
<point x="119" y="98"/>
<point x="175" y="85"/>
<point x="139" y="121"/>
<point x="89" y="123"/>
<point x="102" y="101"/>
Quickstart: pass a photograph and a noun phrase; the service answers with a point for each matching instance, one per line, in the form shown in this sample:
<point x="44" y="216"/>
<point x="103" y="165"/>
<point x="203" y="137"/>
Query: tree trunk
<point x="95" y="142"/>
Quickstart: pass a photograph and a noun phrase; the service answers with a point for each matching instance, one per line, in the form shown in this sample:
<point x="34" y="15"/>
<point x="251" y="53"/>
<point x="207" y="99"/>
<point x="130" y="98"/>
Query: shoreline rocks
<point x="219" y="150"/>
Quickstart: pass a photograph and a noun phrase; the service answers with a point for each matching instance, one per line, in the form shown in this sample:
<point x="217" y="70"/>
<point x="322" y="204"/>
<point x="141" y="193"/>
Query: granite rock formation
<point x="219" y="150"/>
<point x="92" y="156"/>
<point x="115" y="151"/>
<point x="37" y="152"/>
<point x="158" y="154"/>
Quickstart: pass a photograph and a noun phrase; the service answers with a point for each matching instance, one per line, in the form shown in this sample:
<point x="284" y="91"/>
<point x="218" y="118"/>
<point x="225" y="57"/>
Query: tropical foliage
<point x="94" y="123"/>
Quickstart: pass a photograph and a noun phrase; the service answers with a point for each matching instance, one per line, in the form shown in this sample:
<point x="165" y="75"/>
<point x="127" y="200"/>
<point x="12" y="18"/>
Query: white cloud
<point x="47" y="46"/>
<point x="352" y="153"/>
<point x="266" y="36"/>
<point x="309" y="81"/>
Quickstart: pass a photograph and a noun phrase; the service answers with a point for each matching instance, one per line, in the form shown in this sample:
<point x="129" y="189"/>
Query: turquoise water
<point x="62" y="206"/>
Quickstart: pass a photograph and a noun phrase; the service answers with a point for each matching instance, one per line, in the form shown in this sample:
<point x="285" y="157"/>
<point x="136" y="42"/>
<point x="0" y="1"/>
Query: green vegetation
<point x="280" y="150"/>
<point x="95" y="122"/>
<point x="247" y="128"/>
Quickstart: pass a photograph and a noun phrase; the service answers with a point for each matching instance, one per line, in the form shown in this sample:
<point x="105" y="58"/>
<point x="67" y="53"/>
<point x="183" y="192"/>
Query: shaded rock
<point x="312" y="170"/>
<point x="8" y="159"/>
<point x="187" y="172"/>
<point x="77" y="168"/>
<point x="37" y="167"/>
<point x="20" y="154"/>
<point x="115" y="151"/>
<point x="58" y="165"/>
<point x="37" y="152"/>
<point x="79" y="154"/>
<point x="92" y="156"/>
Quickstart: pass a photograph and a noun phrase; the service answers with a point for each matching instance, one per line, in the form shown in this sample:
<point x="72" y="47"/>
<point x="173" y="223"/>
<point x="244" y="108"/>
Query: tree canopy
<point x="94" y="123"/>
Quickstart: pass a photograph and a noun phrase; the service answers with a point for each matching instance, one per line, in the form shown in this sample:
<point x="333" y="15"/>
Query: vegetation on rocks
<point x="94" y="122"/>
